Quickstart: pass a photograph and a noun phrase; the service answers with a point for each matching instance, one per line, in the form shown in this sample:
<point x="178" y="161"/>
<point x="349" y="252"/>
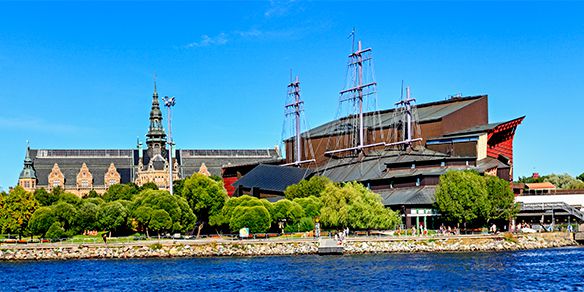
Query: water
<point x="549" y="269"/>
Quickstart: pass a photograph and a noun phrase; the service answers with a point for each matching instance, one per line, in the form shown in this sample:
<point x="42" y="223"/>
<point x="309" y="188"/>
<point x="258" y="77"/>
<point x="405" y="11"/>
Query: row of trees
<point x="462" y="196"/>
<point x="198" y="200"/>
<point x="122" y="209"/>
<point x="468" y="197"/>
<point x="561" y="181"/>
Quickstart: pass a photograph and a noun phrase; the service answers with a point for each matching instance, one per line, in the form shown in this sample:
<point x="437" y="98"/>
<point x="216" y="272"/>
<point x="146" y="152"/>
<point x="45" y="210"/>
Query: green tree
<point x="160" y="221"/>
<point x="303" y="225"/>
<point x="182" y="217"/>
<point x="461" y="196"/>
<point x="224" y="217"/>
<point x="87" y="216"/>
<point x="311" y="205"/>
<point x="286" y="209"/>
<point x="41" y="221"/>
<point x="121" y="192"/>
<point x="256" y="218"/>
<point x="56" y="231"/>
<point x="70" y="199"/>
<point x="96" y="201"/>
<point x="564" y="181"/>
<point x="45" y="198"/>
<point x="92" y="194"/>
<point x="355" y="206"/>
<point x="306" y="188"/>
<point x="149" y="186"/>
<point x="16" y="210"/>
<point x="66" y="214"/>
<point x="112" y="216"/>
<point x="143" y="214"/>
<point x="204" y="195"/>
<point x="501" y="197"/>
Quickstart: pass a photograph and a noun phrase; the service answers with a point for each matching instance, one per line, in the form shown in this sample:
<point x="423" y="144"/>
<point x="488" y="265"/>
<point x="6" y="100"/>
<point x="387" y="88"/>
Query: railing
<point x="553" y="206"/>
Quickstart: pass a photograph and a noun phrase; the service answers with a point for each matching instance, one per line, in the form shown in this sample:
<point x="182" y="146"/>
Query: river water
<point x="546" y="269"/>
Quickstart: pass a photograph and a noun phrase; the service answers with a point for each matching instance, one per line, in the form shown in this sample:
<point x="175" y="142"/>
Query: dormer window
<point x="417" y="181"/>
<point x="442" y="164"/>
<point x="413" y="165"/>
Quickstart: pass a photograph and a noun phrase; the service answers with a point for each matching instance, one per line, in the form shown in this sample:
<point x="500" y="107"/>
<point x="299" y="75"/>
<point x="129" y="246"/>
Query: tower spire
<point x="28" y="173"/>
<point x="156" y="137"/>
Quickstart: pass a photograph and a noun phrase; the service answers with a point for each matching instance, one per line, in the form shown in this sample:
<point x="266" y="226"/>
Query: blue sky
<point x="79" y="74"/>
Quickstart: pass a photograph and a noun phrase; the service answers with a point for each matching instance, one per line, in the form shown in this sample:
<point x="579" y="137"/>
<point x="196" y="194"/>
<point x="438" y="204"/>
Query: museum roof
<point x="427" y="112"/>
<point x="273" y="177"/>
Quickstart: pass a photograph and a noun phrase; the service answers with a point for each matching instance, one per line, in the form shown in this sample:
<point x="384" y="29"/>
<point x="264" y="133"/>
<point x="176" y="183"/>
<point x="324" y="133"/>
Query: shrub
<point x="56" y="231"/>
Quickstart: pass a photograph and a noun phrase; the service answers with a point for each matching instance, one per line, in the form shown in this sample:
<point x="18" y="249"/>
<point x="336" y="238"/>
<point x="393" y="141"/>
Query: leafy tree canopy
<point x="41" y="221"/>
<point x="160" y="221"/>
<point x="286" y="209"/>
<point x="149" y="186"/>
<point x="256" y="218"/>
<point x="70" y="199"/>
<point x="87" y="216"/>
<point x="66" y="214"/>
<point x="306" y="188"/>
<point x="311" y="205"/>
<point x="46" y="198"/>
<point x="501" y="197"/>
<point x="16" y="210"/>
<point x="228" y="209"/>
<point x="56" y="231"/>
<point x="112" y="216"/>
<point x="181" y="215"/>
<point x="121" y="192"/>
<point x="204" y="195"/>
<point x="462" y="197"/>
<point x="355" y="206"/>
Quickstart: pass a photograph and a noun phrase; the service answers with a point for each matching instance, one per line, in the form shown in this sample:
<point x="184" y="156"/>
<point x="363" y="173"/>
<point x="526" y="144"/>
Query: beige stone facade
<point x="56" y="177"/>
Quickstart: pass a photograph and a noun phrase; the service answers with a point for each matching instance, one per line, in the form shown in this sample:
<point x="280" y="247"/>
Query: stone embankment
<point x="154" y="249"/>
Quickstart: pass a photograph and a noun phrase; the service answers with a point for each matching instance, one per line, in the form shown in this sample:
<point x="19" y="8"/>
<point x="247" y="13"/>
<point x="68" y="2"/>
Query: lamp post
<point x="169" y="102"/>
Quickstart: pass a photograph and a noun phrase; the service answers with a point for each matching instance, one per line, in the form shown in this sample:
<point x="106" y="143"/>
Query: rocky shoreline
<point x="215" y="248"/>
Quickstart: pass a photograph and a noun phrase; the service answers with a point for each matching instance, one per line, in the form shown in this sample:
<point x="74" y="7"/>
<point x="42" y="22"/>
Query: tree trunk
<point x="147" y="234"/>
<point x="200" y="228"/>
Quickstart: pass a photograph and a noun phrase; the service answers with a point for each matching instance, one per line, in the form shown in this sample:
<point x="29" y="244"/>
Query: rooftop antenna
<point x="295" y="108"/>
<point x="356" y="94"/>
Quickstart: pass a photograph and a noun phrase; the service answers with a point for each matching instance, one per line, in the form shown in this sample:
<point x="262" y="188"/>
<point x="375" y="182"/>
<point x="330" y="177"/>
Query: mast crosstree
<point x="357" y="94"/>
<point x="295" y="108"/>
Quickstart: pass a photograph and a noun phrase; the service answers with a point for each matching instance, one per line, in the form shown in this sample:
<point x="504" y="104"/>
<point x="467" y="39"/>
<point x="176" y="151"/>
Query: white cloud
<point x="206" y="41"/>
<point x="278" y="8"/>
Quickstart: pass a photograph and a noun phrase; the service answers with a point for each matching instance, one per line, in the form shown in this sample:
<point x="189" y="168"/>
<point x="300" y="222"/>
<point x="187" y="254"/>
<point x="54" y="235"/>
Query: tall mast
<point x="295" y="108"/>
<point x="356" y="94"/>
<point x="407" y="107"/>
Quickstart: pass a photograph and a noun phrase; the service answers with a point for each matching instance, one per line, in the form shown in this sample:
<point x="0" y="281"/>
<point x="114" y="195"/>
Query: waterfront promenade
<point x="265" y="247"/>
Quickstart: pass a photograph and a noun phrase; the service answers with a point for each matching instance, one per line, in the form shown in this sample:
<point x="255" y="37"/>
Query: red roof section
<point x="540" y="186"/>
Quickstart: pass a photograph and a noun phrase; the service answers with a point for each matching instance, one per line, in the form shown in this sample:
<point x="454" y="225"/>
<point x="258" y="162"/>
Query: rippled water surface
<point x="549" y="269"/>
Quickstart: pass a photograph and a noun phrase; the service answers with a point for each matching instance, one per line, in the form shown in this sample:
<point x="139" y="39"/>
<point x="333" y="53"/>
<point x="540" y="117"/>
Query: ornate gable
<point x="203" y="170"/>
<point x="112" y="176"/>
<point x="84" y="178"/>
<point x="56" y="178"/>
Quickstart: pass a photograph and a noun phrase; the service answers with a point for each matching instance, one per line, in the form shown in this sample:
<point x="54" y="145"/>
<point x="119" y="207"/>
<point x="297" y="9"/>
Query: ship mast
<point x="295" y="108"/>
<point x="408" y="108"/>
<point x="356" y="94"/>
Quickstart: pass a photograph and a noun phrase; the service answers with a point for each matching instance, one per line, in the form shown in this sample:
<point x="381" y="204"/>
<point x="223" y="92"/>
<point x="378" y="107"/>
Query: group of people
<point x="341" y="235"/>
<point x="447" y="230"/>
